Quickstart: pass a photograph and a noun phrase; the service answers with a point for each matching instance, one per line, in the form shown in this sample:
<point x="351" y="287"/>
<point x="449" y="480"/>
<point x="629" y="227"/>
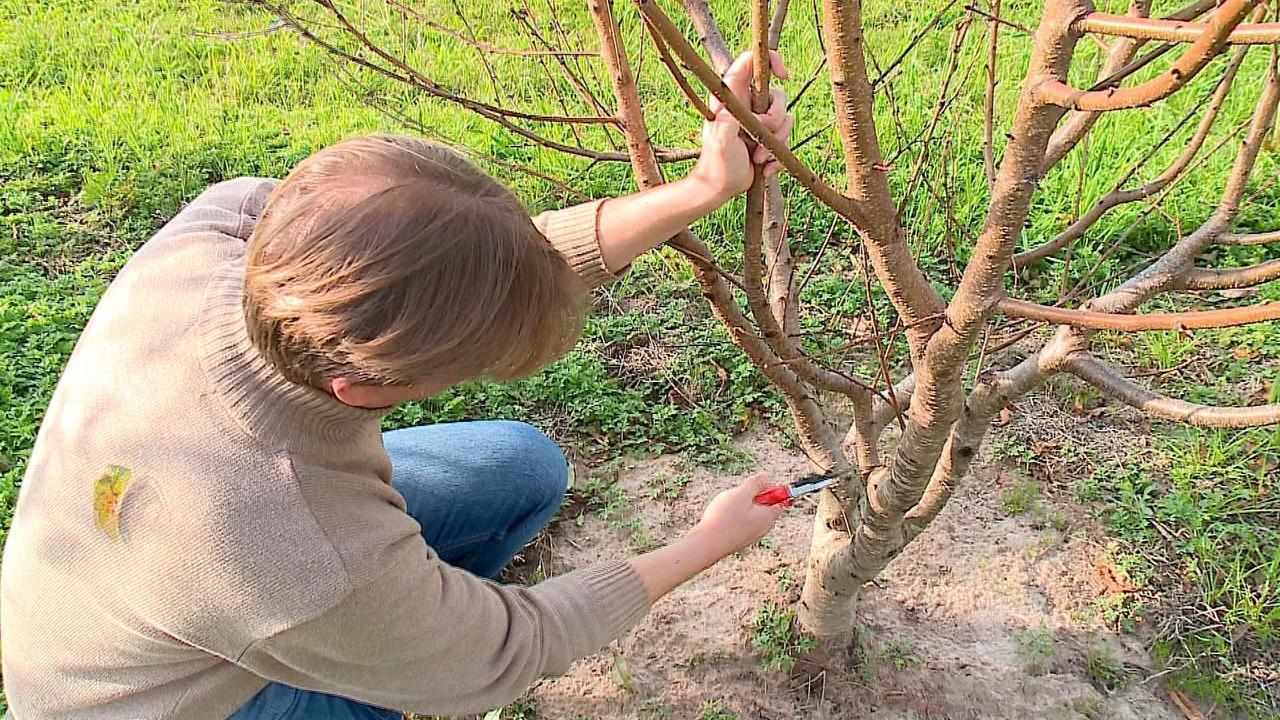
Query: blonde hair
<point x="391" y="260"/>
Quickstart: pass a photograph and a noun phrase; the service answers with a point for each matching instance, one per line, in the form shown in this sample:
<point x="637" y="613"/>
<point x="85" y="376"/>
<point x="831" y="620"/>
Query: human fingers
<point x="777" y="112"/>
<point x="762" y="154"/>
<point x="738" y="77"/>
<point x="777" y="66"/>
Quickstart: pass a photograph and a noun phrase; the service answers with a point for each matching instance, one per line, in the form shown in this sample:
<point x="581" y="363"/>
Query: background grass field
<point x="112" y="115"/>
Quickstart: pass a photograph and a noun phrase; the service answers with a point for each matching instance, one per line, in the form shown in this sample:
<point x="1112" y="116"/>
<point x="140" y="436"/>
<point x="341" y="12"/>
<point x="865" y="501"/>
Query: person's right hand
<point x="731" y="522"/>
<point x="734" y="519"/>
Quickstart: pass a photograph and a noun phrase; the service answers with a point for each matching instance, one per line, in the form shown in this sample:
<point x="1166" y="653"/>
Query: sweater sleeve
<point x="429" y="638"/>
<point x="575" y="233"/>
<point x="230" y="208"/>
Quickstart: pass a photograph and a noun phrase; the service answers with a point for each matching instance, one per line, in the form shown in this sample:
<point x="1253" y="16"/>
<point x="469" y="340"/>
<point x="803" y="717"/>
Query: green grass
<point x="716" y="710"/>
<point x="613" y="504"/>
<point x="777" y="638"/>
<point x="899" y="653"/>
<point x="1197" y="523"/>
<point x="1020" y="497"/>
<point x="1035" y="649"/>
<point x="667" y="487"/>
<point x="1103" y="670"/>
<point x="522" y="709"/>
<point x="113" y="115"/>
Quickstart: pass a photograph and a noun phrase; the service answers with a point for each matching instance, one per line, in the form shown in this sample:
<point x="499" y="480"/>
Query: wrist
<point x="704" y="191"/>
<point x="709" y="541"/>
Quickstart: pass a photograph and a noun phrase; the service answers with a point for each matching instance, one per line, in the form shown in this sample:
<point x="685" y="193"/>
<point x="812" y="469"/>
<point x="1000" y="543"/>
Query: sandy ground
<point x="944" y="632"/>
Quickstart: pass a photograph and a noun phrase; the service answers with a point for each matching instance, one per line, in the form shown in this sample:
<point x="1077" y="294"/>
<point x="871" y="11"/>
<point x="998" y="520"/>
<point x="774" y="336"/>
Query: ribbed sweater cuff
<point x="574" y="233"/>
<point x="599" y="603"/>
<point x="619" y="591"/>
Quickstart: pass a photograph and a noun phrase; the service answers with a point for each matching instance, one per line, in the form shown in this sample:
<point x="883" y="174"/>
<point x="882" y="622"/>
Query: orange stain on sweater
<point x="107" y="492"/>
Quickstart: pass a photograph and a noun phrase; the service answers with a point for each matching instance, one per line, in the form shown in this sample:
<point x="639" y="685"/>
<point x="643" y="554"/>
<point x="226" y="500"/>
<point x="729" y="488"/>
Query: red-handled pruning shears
<point x="784" y="494"/>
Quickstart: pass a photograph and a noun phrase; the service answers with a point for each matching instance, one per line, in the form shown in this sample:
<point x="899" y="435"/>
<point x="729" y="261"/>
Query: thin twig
<point x="483" y="54"/>
<point x="484" y="46"/>
<point x="989" y="99"/>
<point x="664" y="54"/>
<point x="997" y="19"/>
<point x="915" y="40"/>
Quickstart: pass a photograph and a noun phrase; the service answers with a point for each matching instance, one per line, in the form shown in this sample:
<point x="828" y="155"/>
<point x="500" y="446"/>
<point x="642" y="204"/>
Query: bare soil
<point x="985" y="616"/>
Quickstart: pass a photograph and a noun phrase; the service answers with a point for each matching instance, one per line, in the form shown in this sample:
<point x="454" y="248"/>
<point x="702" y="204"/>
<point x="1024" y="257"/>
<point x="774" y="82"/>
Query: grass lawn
<point x="112" y="115"/>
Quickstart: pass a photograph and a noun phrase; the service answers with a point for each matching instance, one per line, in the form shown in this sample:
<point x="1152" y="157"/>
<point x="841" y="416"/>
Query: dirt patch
<point x="985" y="616"/>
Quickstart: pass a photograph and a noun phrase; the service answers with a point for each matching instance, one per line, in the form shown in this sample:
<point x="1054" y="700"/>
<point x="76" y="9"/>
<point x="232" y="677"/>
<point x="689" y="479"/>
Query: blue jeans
<point x="480" y="491"/>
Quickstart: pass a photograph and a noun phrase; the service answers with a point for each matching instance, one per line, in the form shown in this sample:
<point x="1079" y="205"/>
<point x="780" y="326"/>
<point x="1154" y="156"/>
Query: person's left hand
<point x="726" y="165"/>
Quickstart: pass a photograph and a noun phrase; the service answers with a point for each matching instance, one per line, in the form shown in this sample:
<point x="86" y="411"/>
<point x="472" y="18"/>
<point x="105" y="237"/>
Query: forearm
<point x="634" y="224"/>
<point x="666" y="568"/>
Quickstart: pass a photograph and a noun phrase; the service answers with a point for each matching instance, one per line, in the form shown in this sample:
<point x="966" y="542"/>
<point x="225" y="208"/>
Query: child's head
<point x="386" y="268"/>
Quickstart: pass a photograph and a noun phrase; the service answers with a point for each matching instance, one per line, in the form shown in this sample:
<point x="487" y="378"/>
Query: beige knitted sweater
<point x="192" y="525"/>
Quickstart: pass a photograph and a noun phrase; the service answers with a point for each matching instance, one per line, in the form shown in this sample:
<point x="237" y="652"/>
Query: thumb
<point x="777" y="66"/>
<point x="758" y="482"/>
<point x="726" y="126"/>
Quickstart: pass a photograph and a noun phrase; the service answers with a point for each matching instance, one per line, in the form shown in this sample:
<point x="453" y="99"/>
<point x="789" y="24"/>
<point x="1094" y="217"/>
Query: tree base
<point x="826" y="613"/>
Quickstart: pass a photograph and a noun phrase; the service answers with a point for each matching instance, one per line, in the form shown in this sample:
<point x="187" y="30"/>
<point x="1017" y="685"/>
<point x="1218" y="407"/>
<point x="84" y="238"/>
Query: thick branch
<point x="760" y="62"/>
<point x="756" y="235"/>
<point x="1210" y="43"/>
<point x="1193" y="320"/>
<point x="967" y="434"/>
<point x="1164" y="273"/>
<point x="907" y="287"/>
<point x="936" y="401"/>
<point x="708" y="33"/>
<point x="1078" y="124"/>
<point x="784" y="297"/>
<point x="883" y="412"/>
<point x="825" y="193"/>
<point x="1091" y="370"/>
<point x="1250" y="238"/>
<point x="753" y="268"/>
<point x="1202" y="279"/>
<point x="994" y="391"/>
<point x="1018" y="177"/>
<point x="1174" y="30"/>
